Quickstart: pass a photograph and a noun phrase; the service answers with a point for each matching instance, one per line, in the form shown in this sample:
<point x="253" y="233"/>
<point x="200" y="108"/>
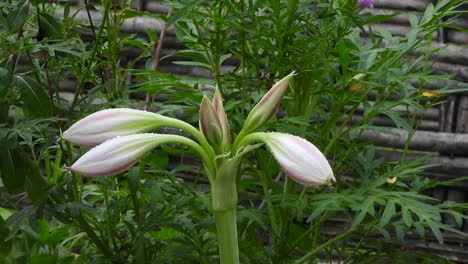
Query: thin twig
<point x="95" y="51"/>
<point x="156" y="52"/>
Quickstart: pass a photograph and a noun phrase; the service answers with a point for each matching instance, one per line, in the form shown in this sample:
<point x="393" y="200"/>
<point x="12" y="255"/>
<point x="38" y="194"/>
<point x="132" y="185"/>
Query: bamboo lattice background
<point x="443" y="131"/>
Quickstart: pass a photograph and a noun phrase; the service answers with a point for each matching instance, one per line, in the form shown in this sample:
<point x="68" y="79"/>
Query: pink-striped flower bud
<point x="219" y="110"/>
<point x="210" y="125"/>
<point x="298" y="158"/>
<point x="106" y="124"/>
<point x="118" y="154"/>
<point x="266" y="108"/>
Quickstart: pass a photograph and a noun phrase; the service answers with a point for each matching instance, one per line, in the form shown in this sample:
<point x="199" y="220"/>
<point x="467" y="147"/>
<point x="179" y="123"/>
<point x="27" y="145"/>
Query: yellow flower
<point x="429" y="94"/>
<point x="391" y="179"/>
<point x="355" y="84"/>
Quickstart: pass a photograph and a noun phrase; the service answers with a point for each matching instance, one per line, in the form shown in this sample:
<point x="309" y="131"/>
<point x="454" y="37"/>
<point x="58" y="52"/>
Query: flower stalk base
<point x="226" y="228"/>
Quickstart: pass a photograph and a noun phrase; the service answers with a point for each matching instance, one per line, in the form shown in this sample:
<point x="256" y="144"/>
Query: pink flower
<point x="106" y="124"/>
<point x="298" y="158"/>
<point x="366" y="3"/>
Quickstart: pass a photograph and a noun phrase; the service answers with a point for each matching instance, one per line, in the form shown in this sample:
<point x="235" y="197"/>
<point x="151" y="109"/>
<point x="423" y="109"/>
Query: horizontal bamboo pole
<point x="402" y="5"/>
<point x="446" y="167"/>
<point x="387" y="122"/>
<point x="132" y="25"/>
<point x="447" y="143"/>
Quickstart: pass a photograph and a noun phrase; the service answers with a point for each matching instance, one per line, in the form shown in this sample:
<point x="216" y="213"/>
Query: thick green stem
<point x="226" y="228"/>
<point x="224" y="195"/>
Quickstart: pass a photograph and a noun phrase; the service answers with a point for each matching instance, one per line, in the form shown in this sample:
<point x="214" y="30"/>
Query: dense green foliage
<point x="149" y="214"/>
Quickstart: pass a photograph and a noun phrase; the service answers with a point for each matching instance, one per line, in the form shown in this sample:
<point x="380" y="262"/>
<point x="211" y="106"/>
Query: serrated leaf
<point x="254" y="215"/>
<point x="36" y="101"/>
<point x="399" y="122"/>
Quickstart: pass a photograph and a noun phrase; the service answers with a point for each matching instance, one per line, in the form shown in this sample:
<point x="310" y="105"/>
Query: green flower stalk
<point x="121" y="139"/>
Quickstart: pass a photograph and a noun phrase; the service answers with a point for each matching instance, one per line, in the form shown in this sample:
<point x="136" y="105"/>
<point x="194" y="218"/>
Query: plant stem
<point x="156" y="53"/>
<point x="226" y="228"/>
<point x="89" y="231"/>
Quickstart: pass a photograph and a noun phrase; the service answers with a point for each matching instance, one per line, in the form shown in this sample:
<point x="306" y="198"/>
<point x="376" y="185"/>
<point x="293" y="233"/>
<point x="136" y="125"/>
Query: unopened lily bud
<point x="116" y="155"/>
<point x="299" y="158"/>
<point x="106" y="124"/>
<point x="266" y="108"/>
<point x="219" y="110"/>
<point x="355" y="84"/>
<point x="210" y="125"/>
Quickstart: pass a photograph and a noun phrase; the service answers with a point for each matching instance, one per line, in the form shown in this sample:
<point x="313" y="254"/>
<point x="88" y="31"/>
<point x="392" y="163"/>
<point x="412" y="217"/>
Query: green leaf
<point x="407" y="219"/>
<point x="5" y="246"/>
<point x="398" y="120"/>
<point x="436" y="231"/>
<point x="420" y="230"/>
<point x="400" y="232"/>
<point x="11" y="169"/>
<point x="194" y="63"/>
<point x="6" y="76"/>
<point x="253" y="215"/>
<point x="358" y="219"/>
<point x="159" y="159"/>
<point x="36" y="101"/>
<point x="413" y="19"/>
<point x="18" y="17"/>
<point x="35" y="185"/>
<point x="43" y="259"/>
<point x="388" y="213"/>
<point x="185" y="10"/>
<point x="379" y="18"/>
<point x="383" y="231"/>
<point x="49" y="27"/>
<point x="19" y="173"/>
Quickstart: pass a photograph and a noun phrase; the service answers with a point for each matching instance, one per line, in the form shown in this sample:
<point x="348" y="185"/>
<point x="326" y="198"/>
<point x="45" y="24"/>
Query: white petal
<point x="106" y="124"/>
<point x="115" y="155"/>
<point x="300" y="159"/>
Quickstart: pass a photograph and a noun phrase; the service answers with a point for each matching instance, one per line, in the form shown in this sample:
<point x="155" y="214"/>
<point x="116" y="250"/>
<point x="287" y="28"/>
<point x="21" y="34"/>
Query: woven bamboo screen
<point x="443" y="131"/>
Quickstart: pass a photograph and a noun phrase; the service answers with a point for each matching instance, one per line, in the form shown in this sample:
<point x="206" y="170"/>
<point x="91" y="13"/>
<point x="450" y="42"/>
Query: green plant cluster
<point x="159" y="211"/>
